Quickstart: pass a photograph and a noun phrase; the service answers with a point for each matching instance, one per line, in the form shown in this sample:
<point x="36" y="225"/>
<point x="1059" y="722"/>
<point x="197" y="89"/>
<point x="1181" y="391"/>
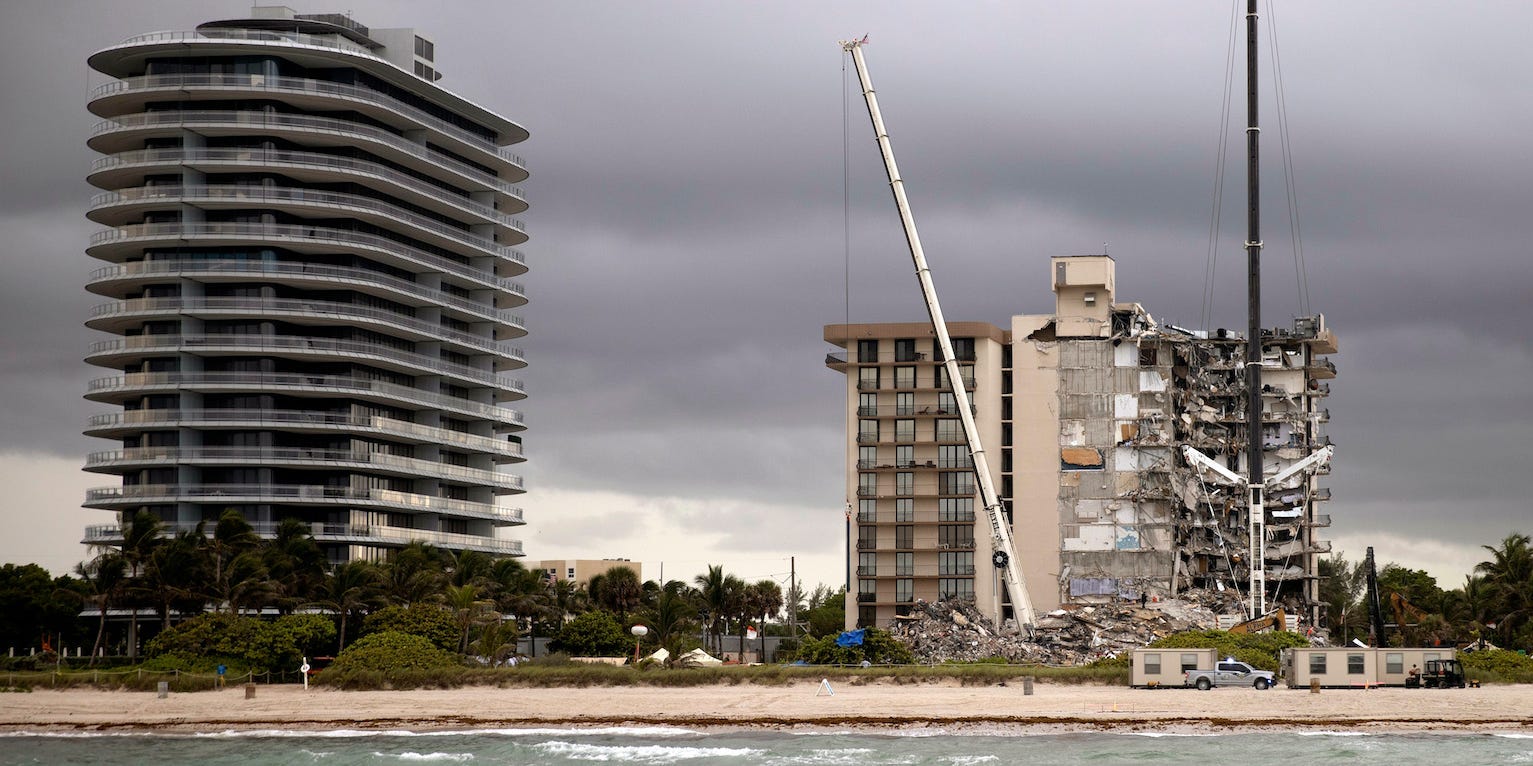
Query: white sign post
<point x="303" y="670"/>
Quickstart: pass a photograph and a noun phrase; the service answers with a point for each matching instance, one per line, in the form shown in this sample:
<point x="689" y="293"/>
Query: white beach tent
<point x="699" y="657"/>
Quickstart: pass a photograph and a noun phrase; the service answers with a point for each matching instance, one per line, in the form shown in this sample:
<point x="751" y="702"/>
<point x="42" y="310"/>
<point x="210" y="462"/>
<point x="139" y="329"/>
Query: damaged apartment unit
<point x="1083" y="413"/>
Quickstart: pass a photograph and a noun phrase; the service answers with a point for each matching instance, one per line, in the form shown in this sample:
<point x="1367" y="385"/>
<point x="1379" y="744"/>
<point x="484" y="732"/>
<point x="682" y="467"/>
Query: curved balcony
<point x="120" y="207"/>
<point x="116" y="424"/>
<point x="139" y="383"/>
<point x="118" y="351"/>
<point x="130" y="240"/>
<point x="128" y="131"/>
<point x="132" y="93"/>
<point x="128" y="168"/>
<point x="348" y="534"/>
<point x="231" y="270"/>
<point x="119" y="314"/>
<point x="380" y="462"/>
<point x="111" y="498"/>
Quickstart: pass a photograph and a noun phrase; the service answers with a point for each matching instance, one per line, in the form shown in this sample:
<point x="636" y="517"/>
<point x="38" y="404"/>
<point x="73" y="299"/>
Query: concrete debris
<point x="1076" y="634"/>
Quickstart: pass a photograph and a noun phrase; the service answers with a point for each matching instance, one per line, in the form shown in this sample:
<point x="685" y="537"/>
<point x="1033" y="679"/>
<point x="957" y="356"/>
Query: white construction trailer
<point x="1158" y="668"/>
<point x="1353" y="667"/>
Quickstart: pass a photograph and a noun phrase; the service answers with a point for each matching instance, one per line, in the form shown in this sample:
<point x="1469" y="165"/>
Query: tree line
<point x="1494" y="604"/>
<point x="489" y="602"/>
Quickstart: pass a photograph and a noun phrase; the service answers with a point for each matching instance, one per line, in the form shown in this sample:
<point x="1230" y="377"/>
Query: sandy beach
<point x="876" y="705"/>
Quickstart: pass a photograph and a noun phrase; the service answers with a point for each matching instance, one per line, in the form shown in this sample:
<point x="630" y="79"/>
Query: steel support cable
<point x="1290" y="181"/>
<point x="1222" y="151"/>
<point x="846" y="276"/>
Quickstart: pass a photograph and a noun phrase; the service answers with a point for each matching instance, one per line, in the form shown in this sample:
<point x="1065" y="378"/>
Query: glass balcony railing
<point x="281" y="196"/>
<point x="283" y="158"/>
<point x="253" y="380"/>
<point x="298" y="455"/>
<point x="301" y="308"/>
<point x="183" y="83"/>
<point x="315" y="271"/>
<point x="277" y="234"/>
<point x="289" y="343"/>
<point x="303" y="418"/>
<point x="295" y="494"/>
<point x="108" y="534"/>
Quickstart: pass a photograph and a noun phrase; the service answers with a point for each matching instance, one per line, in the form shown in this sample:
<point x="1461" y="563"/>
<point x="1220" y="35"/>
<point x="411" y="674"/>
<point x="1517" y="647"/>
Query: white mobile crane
<point x="1004" y="558"/>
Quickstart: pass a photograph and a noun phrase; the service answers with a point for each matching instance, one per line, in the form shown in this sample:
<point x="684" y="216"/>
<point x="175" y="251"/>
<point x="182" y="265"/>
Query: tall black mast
<point x="1253" y="269"/>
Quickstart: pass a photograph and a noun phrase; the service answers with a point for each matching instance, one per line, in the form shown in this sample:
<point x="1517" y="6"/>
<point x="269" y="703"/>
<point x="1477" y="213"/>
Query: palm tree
<point x="140" y="536"/>
<point x="351" y="588"/>
<point x="239" y="572"/>
<point x="295" y="565"/>
<point x="415" y="574"/>
<point x="671" y="618"/>
<point x="176" y="575"/>
<point x="618" y="590"/>
<point x="765" y="600"/>
<point x="468" y="610"/>
<point x="713" y="601"/>
<point x="105" y="575"/>
<point x="1509" y="575"/>
<point x="466" y="567"/>
<point x="528" y="596"/>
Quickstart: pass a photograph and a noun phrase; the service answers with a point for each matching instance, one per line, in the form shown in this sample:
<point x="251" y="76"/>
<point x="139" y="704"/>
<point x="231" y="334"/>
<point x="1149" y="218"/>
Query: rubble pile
<point x="1072" y="635"/>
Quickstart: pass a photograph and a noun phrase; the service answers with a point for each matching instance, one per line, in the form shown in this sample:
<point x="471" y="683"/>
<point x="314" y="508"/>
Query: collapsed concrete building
<point x="1083" y="413"/>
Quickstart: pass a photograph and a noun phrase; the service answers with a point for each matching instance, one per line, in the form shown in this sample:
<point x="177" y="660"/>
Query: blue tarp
<point x="851" y="638"/>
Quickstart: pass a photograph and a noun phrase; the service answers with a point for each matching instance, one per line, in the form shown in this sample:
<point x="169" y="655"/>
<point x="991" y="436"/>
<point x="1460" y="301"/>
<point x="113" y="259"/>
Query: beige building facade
<point x="580" y="571"/>
<point x="1082" y="413"/>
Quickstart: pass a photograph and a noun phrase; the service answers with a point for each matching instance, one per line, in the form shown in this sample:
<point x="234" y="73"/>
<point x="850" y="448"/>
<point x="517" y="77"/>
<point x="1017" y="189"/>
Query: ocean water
<point x="668" y="745"/>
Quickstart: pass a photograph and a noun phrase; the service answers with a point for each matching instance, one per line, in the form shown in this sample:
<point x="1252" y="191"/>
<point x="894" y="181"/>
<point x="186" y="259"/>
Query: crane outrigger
<point x="1004" y="556"/>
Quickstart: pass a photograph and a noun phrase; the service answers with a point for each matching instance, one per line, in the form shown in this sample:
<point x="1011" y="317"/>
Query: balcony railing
<point x="105" y="534"/>
<point x="253" y="380"/>
<point x="308" y="418"/>
<point x="277" y="233"/>
<point x="318" y="272"/>
<point x="287" y="158"/>
<point x="182" y="83"/>
<point x="299" y="455"/>
<point x="273" y="121"/>
<point x="277" y="343"/>
<point x="301" y="308"/>
<point x="295" y="494"/>
<point x="275" y="196"/>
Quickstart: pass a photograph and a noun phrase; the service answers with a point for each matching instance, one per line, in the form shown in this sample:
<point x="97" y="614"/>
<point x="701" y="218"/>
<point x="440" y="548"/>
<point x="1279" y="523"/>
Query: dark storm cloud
<point x="688" y="233"/>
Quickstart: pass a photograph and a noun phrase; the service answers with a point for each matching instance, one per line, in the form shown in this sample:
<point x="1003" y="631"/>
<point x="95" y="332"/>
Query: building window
<point x="904" y="377"/>
<point x="1148" y="356"/>
<point x="904" y="483"/>
<point x="867" y="405"/>
<point x="954" y="456"/>
<point x="904" y="403"/>
<point x="1152" y="664"/>
<point x="955" y="563"/>
<point x="867" y="538"/>
<point x="867" y="485"/>
<point x="905" y="350"/>
<point x="904" y="590"/>
<point x="866" y="616"/>
<point x="867" y="590"/>
<point x="905" y="537"/>
<point x="867" y="378"/>
<point x="905" y="456"/>
<point x="904" y="430"/>
<point x="867" y="564"/>
<point x="1355" y="664"/>
<point x="1189" y="662"/>
<point x="1394" y="663"/>
<point x="867" y="457"/>
<point x="1317" y="663"/>
<point x="955" y="536"/>
<point x="955" y="509"/>
<point x="867" y="351"/>
<point x="905" y="564"/>
<point x="1006" y="356"/>
<point x="867" y="431"/>
<point x="1005" y="408"/>
<point x="955" y="483"/>
<point x="955" y="587"/>
<point x="905" y="509"/>
<point x="947" y="403"/>
<point x="867" y="510"/>
<point x="949" y="430"/>
<point x="571" y="573"/>
<point x="425" y="48"/>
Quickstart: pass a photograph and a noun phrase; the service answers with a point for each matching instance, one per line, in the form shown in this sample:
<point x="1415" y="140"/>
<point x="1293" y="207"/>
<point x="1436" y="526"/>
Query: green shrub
<point x="593" y="634"/>
<point x="1498" y="665"/>
<point x="391" y="652"/>
<point x="242" y="643"/>
<point x="878" y="647"/>
<point x="432" y="621"/>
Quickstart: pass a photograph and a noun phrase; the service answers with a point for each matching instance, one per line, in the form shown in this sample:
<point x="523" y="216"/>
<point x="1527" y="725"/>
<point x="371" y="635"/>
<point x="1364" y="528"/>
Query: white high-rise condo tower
<point x="309" y="264"/>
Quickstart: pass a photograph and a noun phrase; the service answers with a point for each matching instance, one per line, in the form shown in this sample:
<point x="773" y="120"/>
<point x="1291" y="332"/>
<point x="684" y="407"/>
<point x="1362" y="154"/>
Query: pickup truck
<point x="1230" y="673"/>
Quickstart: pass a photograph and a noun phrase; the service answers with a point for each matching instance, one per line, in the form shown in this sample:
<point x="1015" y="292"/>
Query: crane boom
<point x="1005" y="558"/>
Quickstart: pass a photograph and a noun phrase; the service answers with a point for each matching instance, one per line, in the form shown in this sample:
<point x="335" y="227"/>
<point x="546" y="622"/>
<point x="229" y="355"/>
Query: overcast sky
<point x="688" y="241"/>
